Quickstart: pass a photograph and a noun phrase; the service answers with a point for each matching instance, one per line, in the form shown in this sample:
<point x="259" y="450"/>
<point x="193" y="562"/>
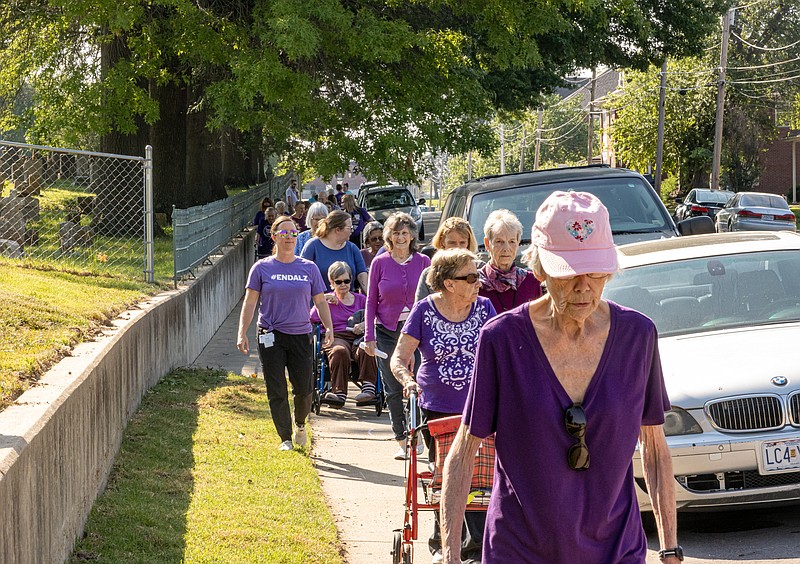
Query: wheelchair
<point x="322" y="378"/>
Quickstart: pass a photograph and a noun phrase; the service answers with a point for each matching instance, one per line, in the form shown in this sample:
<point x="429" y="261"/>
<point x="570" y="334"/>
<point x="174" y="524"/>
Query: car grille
<point x="755" y="413"/>
<point x="794" y="409"/>
<point x="732" y="481"/>
<point x="748" y="480"/>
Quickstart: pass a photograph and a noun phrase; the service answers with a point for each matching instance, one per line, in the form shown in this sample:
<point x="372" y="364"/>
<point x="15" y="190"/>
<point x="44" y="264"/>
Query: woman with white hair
<point x="316" y="213"/>
<point x="504" y="283"/>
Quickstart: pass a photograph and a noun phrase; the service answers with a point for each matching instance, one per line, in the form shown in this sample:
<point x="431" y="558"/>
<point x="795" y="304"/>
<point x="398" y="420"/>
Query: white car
<point x="727" y="308"/>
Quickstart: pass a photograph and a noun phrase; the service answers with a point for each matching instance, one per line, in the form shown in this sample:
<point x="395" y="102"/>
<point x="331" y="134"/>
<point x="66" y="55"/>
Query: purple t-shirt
<point x="541" y="510"/>
<point x="340" y="312"/>
<point x="448" y="352"/>
<point x="286" y="290"/>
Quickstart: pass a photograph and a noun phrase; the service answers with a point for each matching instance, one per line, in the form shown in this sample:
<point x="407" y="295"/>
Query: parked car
<point x="701" y="201"/>
<point x="755" y="211"/>
<point x="727" y="309"/>
<point x="383" y="200"/>
<point x="636" y="211"/>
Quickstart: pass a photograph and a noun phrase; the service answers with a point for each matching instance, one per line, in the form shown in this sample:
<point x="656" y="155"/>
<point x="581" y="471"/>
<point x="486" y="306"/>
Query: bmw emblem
<point x="780" y="380"/>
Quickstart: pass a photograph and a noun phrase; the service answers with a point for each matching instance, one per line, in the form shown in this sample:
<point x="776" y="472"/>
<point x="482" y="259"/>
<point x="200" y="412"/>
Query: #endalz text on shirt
<point x="290" y="277"/>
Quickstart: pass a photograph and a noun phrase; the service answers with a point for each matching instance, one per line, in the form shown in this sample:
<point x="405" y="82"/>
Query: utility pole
<point x="589" y="146"/>
<point x="727" y="20"/>
<point x="662" y="97"/>
<point x="522" y="151"/>
<point x="538" y="140"/>
<point x="502" y="150"/>
<point x="469" y="165"/>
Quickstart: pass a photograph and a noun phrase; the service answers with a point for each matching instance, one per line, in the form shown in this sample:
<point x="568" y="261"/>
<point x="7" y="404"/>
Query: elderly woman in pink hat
<point x="568" y="384"/>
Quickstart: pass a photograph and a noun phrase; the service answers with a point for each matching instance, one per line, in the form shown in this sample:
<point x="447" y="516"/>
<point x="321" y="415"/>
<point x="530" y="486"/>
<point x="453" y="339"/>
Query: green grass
<point x="199" y="479"/>
<point x="45" y="312"/>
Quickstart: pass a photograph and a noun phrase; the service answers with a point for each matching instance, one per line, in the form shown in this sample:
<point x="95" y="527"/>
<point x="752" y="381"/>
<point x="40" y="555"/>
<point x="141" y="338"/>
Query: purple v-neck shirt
<point x="542" y="511"/>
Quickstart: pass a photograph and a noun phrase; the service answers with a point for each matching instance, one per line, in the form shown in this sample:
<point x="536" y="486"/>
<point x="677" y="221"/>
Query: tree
<point x="323" y="82"/>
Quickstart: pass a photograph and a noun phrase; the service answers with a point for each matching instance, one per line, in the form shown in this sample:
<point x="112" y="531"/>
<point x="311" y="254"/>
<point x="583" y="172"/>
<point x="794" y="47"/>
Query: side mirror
<point x="696" y="226"/>
<point x="421" y="202"/>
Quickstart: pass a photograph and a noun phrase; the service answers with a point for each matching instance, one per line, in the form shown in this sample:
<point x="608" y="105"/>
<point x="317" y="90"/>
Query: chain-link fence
<point x="200" y="231"/>
<point x="77" y="208"/>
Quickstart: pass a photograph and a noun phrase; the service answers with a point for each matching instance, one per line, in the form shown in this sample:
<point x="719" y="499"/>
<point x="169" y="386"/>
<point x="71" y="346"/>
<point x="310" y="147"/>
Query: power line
<point x="766" y="65"/>
<point x="765" y="81"/>
<point x="740" y="38"/>
<point x="561" y="136"/>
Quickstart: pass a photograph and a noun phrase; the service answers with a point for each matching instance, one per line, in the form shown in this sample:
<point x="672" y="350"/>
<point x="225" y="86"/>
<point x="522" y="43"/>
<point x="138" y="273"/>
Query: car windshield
<point x="387" y="199"/>
<point x="706" y="294"/>
<point x="632" y="206"/>
<point x="713" y="197"/>
<point x="764" y="201"/>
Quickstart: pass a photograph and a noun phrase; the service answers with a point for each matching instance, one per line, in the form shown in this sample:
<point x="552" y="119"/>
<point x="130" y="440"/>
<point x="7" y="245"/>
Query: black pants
<point x="474" y="521"/>
<point x="292" y="353"/>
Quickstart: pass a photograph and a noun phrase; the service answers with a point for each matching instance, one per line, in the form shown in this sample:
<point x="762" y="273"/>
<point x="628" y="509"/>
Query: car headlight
<point x="677" y="421"/>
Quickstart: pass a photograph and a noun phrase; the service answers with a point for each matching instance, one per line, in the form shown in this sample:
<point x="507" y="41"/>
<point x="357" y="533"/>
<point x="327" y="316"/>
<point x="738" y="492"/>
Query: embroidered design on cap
<point x="580" y="230"/>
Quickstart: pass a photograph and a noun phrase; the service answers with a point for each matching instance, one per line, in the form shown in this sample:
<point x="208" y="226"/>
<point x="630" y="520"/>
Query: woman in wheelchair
<point x="343" y="304"/>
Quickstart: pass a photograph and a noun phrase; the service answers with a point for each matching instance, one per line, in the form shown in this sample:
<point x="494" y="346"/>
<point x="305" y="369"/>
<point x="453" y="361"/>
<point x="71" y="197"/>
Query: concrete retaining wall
<point x="59" y="440"/>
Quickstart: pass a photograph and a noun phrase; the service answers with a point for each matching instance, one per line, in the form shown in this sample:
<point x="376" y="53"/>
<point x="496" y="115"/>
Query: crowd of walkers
<point x="482" y="339"/>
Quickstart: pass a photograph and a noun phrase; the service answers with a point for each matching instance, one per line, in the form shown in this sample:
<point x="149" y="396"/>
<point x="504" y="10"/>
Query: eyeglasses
<point x="470" y="278"/>
<point x="375" y="239"/>
<point x="286" y="233"/>
<point x="575" y="422"/>
<point x="347" y="227"/>
<point x="345" y="281"/>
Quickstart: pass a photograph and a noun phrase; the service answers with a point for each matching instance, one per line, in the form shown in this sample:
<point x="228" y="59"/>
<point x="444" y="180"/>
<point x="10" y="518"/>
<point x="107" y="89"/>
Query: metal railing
<point x="201" y="231"/>
<point x="86" y="210"/>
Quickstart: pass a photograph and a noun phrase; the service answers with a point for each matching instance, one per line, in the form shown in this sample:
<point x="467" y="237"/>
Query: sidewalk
<point x="352" y="449"/>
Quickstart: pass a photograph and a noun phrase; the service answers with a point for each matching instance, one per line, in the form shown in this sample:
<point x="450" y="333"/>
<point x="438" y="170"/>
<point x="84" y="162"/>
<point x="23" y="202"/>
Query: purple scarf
<point x="492" y="278"/>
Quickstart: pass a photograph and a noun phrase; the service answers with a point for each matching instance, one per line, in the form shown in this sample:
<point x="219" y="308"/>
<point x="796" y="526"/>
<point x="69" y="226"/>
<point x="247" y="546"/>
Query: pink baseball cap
<point x="573" y="235"/>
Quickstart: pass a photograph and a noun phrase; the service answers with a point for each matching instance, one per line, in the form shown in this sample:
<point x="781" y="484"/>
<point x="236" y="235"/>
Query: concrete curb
<point x="59" y="440"/>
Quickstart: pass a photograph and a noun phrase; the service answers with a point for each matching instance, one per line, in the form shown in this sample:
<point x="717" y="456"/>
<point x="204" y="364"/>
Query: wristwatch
<point x="677" y="552"/>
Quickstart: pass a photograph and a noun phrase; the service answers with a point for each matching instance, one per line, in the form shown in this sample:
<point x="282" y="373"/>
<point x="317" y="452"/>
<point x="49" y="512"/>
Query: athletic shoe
<point x="436" y="557"/>
<point x="286" y="445"/>
<point x="300" y="437"/>
<point x="420" y="447"/>
<point x="400" y="454"/>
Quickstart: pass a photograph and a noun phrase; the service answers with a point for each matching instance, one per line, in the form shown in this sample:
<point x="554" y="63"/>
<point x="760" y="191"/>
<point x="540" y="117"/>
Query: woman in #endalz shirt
<point x="285" y="284"/>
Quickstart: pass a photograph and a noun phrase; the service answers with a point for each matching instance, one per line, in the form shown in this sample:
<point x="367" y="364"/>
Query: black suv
<point x="635" y="210"/>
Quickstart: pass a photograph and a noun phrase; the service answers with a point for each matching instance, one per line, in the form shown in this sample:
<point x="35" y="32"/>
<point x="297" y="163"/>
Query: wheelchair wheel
<point x="379" y="403"/>
<point x="316" y="401"/>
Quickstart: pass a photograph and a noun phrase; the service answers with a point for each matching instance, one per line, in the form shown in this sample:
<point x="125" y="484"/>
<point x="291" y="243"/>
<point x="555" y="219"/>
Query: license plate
<point x="767" y="217"/>
<point x="780" y="455"/>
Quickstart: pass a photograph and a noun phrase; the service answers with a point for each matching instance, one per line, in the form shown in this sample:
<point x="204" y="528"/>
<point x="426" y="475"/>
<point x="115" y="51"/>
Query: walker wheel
<point x="397" y="547"/>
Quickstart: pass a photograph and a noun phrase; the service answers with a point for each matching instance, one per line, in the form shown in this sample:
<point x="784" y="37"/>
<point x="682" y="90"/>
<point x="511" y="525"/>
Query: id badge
<point x="266" y="339"/>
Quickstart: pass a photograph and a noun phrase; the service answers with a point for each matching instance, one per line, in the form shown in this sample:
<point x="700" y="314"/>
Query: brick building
<point x="777" y="176"/>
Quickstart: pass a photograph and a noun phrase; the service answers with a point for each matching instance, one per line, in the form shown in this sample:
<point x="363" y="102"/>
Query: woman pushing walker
<point x="285" y="284"/>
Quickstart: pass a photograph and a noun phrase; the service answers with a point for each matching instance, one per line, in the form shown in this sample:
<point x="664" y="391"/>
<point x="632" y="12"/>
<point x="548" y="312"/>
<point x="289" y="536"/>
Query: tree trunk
<point x="168" y="138"/>
<point x="204" y="180"/>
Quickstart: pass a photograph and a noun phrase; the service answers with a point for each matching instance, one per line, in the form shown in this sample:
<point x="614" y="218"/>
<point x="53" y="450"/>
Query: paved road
<point x="352" y="449"/>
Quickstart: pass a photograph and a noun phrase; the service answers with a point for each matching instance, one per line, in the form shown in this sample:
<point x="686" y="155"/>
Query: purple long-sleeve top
<point x="391" y="288"/>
